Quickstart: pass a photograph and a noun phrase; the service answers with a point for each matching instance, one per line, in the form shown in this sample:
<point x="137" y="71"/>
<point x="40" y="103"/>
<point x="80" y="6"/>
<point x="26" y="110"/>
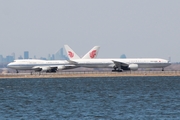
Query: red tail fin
<point x="70" y="54"/>
<point x="92" y="54"/>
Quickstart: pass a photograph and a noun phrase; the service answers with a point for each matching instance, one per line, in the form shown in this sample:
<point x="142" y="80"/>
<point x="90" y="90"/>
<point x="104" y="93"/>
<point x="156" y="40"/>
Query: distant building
<point x="123" y="56"/>
<point x="9" y="59"/>
<point x="43" y="58"/>
<point x="49" y="57"/>
<point x="26" y="54"/>
<point x="53" y="57"/>
<point x="14" y="57"/>
<point x="1" y="58"/>
<point x="169" y="59"/>
<point x="34" y="57"/>
<point x="20" y="57"/>
<point x="59" y="55"/>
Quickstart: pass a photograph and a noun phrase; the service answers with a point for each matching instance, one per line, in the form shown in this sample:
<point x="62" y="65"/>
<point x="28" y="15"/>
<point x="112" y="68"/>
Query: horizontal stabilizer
<point x="118" y="63"/>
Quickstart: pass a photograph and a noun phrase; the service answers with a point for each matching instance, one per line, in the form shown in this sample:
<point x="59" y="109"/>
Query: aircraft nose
<point x="9" y="65"/>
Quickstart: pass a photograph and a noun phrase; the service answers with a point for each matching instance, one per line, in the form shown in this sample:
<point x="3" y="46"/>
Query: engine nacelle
<point x="62" y="67"/>
<point x="133" y="67"/>
<point x="45" y="69"/>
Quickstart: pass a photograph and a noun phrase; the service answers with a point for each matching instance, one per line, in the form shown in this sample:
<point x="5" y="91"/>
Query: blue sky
<point x="139" y="29"/>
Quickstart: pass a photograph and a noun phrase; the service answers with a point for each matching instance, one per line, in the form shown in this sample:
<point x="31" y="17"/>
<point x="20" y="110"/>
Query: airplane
<point x="40" y="65"/>
<point x="118" y="65"/>
<point x="48" y="65"/>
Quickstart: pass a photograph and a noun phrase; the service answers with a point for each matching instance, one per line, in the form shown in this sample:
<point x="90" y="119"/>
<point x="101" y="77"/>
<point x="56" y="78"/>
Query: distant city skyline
<point x="140" y="29"/>
<point x="59" y="55"/>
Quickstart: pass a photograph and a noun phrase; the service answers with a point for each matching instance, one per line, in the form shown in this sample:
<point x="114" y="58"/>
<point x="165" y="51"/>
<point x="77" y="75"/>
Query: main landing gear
<point x="116" y="69"/>
<point x="162" y="69"/>
<point x="17" y="71"/>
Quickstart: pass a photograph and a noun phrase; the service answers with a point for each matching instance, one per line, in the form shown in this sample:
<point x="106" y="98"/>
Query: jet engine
<point x="129" y="67"/>
<point x="133" y="67"/>
<point x="62" y="67"/>
<point x="45" y="69"/>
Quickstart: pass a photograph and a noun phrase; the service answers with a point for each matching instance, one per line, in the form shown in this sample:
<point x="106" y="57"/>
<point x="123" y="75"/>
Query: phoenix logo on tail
<point x="93" y="54"/>
<point x="70" y="54"/>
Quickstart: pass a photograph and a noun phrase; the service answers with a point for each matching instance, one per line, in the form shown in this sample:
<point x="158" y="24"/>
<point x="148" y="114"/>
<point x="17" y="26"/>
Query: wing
<point x="67" y="67"/>
<point x="53" y="68"/>
<point x="72" y="62"/>
<point x="120" y="64"/>
<point x="125" y="66"/>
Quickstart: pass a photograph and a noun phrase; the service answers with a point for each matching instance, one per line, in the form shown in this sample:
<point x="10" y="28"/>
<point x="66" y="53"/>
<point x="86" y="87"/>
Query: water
<point x="90" y="98"/>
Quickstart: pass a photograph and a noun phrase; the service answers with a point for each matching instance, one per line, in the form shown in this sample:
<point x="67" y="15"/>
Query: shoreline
<point x="90" y="74"/>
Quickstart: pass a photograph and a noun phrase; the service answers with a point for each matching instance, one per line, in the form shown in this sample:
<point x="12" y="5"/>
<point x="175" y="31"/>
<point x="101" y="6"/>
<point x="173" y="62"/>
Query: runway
<point x="89" y="74"/>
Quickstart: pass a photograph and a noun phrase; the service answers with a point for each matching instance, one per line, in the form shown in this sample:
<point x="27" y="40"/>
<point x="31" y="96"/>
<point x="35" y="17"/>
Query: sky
<point x="137" y="28"/>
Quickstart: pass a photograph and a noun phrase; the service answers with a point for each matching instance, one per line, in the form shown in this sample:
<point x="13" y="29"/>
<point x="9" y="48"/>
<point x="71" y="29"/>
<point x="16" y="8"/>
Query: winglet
<point x="92" y="53"/>
<point x="71" y="54"/>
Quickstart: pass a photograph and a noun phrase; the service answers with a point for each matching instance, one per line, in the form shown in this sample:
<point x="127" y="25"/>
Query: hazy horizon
<point x="138" y="28"/>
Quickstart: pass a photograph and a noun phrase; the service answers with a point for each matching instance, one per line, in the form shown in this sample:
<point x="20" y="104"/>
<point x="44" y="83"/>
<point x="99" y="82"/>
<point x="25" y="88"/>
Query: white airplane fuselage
<point x="29" y="64"/>
<point x="116" y="64"/>
<point x="108" y="63"/>
<point x="89" y="63"/>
